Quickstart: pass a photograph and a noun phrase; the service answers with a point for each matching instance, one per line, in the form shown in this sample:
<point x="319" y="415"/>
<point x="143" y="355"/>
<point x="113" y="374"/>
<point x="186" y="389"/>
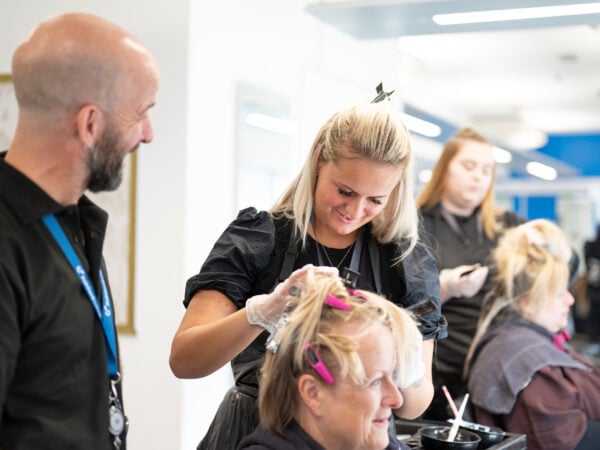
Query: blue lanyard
<point x="103" y="313"/>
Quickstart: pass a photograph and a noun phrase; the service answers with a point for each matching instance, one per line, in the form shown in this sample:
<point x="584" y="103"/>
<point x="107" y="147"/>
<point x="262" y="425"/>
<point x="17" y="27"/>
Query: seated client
<point x="334" y="370"/>
<point x="522" y="375"/>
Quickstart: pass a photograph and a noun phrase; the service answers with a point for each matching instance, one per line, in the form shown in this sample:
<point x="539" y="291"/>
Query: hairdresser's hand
<point x="265" y="309"/>
<point x="455" y="283"/>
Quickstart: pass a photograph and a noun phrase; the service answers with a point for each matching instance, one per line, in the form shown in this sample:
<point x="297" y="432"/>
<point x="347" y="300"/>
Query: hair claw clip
<point x="350" y="277"/>
<point x="335" y="302"/>
<point x="317" y="363"/>
<point x="381" y="94"/>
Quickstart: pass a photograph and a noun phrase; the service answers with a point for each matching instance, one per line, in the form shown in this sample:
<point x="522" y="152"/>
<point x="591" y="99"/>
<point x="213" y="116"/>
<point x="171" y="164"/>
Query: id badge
<point x="116" y="421"/>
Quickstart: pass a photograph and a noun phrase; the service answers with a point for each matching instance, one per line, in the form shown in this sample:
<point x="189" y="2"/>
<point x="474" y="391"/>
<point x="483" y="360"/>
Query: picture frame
<point x="119" y="244"/>
<point x="8" y="111"/>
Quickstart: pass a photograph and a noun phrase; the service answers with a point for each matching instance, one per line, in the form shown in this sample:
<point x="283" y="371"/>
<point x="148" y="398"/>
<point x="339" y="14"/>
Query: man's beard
<point x="106" y="163"/>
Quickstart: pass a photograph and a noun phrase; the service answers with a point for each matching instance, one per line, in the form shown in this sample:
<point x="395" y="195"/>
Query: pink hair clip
<point x="317" y="363"/>
<point x="336" y="302"/>
<point x="356" y="293"/>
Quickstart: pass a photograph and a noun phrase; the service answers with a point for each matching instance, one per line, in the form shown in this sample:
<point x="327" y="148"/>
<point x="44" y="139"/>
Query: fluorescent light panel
<point x="270" y="123"/>
<point x="421" y="126"/>
<point x="501" y="15"/>
<point x="501" y="156"/>
<point x="541" y="170"/>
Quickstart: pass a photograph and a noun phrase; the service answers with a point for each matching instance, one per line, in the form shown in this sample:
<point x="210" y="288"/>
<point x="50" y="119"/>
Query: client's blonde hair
<point x="532" y="265"/>
<point x="313" y="322"/>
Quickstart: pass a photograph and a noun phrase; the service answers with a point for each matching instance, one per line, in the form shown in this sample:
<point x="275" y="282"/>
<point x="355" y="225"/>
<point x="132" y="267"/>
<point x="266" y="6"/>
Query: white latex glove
<point x="454" y="284"/>
<point x="265" y="309"/>
<point x="415" y="371"/>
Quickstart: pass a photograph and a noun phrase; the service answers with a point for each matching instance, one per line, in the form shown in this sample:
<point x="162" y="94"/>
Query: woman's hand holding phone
<point x="462" y="281"/>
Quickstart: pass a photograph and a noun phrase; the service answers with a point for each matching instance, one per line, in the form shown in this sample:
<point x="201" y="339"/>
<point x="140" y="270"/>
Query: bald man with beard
<point x="84" y="87"/>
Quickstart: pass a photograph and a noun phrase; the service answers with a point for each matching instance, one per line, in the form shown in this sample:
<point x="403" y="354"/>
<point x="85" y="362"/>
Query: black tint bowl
<point x="435" y="438"/>
<point x="489" y="435"/>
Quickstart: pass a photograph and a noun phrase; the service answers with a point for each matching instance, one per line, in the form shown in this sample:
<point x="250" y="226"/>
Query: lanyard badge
<point x="117" y="421"/>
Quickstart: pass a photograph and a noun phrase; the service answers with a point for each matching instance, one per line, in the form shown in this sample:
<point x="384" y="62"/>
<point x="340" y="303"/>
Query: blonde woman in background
<point x="331" y="378"/>
<point x="522" y="375"/>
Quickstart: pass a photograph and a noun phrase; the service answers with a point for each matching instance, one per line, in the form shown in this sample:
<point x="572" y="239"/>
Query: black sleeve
<point x="238" y="257"/>
<point x="421" y="277"/>
<point x="591" y="438"/>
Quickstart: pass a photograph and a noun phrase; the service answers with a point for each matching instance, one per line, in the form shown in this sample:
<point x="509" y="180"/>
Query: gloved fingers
<point x="296" y="280"/>
<point x="300" y="274"/>
<point x="414" y="369"/>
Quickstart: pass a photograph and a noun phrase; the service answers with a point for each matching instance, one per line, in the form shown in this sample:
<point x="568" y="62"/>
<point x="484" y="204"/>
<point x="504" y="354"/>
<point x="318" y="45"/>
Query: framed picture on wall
<point x="8" y="111"/>
<point x="119" y="245"/>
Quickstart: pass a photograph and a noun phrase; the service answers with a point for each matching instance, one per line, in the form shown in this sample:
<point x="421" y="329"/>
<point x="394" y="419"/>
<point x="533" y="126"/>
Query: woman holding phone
<point x="462" y="225"/>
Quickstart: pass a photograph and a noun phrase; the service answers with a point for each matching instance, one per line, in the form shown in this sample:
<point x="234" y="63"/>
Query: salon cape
<point x="509" y="355"/>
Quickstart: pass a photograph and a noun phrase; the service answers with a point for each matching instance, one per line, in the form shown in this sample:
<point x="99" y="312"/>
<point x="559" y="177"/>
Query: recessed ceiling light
<point x="421" y="126"/>
<point x="501" y="15"/>
<point x="425" y="175"/>
<point x="501" y="156"/>
<point x="540" y="170"/>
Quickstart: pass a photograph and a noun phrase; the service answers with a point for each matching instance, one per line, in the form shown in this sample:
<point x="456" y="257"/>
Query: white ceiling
<point x="549" y="78"/>
<point x="496" y="76"/>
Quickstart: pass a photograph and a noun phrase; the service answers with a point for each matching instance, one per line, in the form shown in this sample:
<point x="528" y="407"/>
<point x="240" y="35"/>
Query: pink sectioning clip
<point x="317" y="363"/>
<point x="335" y="302"/>
<point x="355" y="293"/>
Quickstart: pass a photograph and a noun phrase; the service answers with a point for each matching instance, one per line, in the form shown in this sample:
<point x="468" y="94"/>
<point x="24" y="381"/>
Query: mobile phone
<point x="471" y="270"/>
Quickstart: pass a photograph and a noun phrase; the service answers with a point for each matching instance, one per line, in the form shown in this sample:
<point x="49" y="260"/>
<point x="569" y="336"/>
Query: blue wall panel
<point x="579" y="150"/>
<point x="536" y="207"/>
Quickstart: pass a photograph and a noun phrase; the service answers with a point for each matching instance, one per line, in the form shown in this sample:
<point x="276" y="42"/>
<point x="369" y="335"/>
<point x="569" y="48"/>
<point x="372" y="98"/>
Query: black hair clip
<point x="350" y="277"/>
<point x="381" y="94"/>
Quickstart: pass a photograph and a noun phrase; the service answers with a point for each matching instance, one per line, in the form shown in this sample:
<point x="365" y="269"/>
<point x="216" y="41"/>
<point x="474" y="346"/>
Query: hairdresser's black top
<point x="248" y="257"/>
<point x="53" y="370"/>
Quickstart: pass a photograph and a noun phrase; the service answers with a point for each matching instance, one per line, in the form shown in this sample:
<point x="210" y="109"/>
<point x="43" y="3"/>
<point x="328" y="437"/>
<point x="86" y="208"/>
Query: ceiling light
<point x="500" y="15"/>
<point x="540" y="170"/>
<point x="512" y="133"/>
<point x="421" y="126"/>
<point x="502" y="156"/>
<point x="425" y="175"/>
<point x="270" y="123"/>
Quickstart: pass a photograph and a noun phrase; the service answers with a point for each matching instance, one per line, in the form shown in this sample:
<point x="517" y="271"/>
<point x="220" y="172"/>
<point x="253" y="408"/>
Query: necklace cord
<point x="341" y="260"/>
